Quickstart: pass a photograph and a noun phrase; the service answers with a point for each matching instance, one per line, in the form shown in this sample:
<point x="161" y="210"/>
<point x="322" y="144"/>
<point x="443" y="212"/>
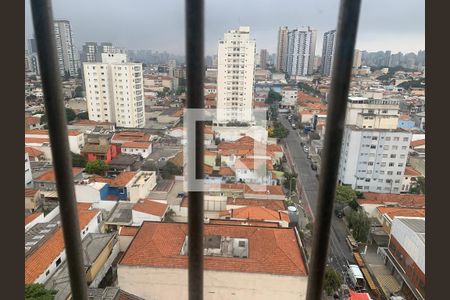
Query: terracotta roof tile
<point x="45" y="132"/>
<point x="50" y="175"/>
<point x="32" y="120"/>
<point x="36" y="140"/>
<point x="246" y="222"/>
<point x="270" y="204"/>
<point x="258" y="213"/>
<point x="150" y="207"/>
<point x="226" y="171"/>
<point x="38" y="261"/>
<point x="33" y="152"/>
<point x="417" y="143"/>
<point x="402" y="200"/>
<point x="130" y="136"/>
<point x="32" y="216"/>
<point x="253" y="164"/>
<point x="393" y="212"/>
<point x="142" y="145"/>
<point x="410" y="171"/>
<point x="271" y="250"/>
<point x="269" y="189"/>
<point x="128" y="230"/>
<point x="31" y="192"/>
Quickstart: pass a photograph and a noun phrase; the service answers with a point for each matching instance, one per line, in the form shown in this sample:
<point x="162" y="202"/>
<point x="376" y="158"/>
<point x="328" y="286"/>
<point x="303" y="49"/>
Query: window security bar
<point x="194" y="15"/>
<point x="62" y="161"/>
<point x="337" y="106"/>
<point x="345" y="44"/>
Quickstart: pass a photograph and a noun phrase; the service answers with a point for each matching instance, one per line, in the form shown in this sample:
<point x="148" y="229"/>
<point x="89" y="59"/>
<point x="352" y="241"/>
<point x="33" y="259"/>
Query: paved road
<point x="339" y="253"/>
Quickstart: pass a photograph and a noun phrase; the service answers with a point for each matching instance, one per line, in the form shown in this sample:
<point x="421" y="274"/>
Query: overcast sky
<point x="396" y="25"/>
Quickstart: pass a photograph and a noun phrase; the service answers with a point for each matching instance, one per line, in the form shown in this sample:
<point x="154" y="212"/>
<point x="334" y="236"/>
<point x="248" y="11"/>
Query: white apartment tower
<point x="282" y="49"/>
<point x="374" y="151"/>
<point x="69" y="60"/>
<point x="329" y="41"/>
<point x="114" y="91"/>
<point x="357" y="59"/>
<point x="235" y="76"/>
<point x="301" y="51"/>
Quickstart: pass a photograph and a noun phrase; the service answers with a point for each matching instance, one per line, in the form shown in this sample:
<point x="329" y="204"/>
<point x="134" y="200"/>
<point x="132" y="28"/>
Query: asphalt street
<point x="339" y="253"/>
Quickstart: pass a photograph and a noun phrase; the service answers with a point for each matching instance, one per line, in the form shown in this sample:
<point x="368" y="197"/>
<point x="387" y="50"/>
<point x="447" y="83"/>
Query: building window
<point x="58" y="262"/>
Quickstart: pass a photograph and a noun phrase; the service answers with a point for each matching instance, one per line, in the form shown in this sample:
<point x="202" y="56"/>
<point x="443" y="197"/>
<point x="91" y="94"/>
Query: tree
<point x="180" y="90"/>
<point x="278" y="130"/>
<point x="419" y="187"/>
<point x="345" y="194"/>
<point x="96" y="167"/>
<point x="332" y="280"/>
<point x="272" y="97"/>
<point x="83" y="115"/>
<point x="359" y="223"/>
<point x="70" y="115"/>
<point x="37" y="291"/>
<point x="289" y="182"/>
<point x="78" y="161"/>
<point x="170" y="169"/>
<point x="78" y="91"/>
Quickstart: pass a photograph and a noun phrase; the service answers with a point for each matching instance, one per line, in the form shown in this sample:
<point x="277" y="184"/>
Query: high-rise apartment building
<point x="114" y="91"/>
<point x="282" y="48"/>
<point x="68" y="56"/>
<point x="374" y="150"/>
<point x="301" y="51"/>
<point x="357" y="56"/>
<point x="235" y="76"/>
<point x="263" y="58"/>
<point x="329" y="41"/>
<point x="92" y="52"/>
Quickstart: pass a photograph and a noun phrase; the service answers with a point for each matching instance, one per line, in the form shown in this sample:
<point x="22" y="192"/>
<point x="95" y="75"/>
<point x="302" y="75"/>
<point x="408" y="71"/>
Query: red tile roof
<point x="130" y="136"/>
<point x="393" y="212"/>
<point x="31" y="192"/>
<point x="36" y="140"/>
<point x="141" y="145"/>
<point x="417" y="143"/>
<point x="402" y="200"/>
<point x="45" y="132"/>
<point x="258" y="213"/>
<point x="226" y="171"/>
<point x="270" y="204"/>
<point x="128" y="231"/>
<point x="38" y="261"/>
<point x="410" y="171"/>
<point x="246" y="222"/>
<point x="50" y="175"/>
<point x="32" y="216"/>
<point x="151" y="207"/>
<point x="120" y="181"/>
<point x="271" y="250"/>
<point x="32" y="120"/>
<point x="33" y="152"/>
<point x="253" y="164"/>
<point x="207" y="169"/>
<point x="269" y="190"/>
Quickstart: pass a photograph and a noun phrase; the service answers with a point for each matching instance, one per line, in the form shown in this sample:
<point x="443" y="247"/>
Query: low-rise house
<point x="33" y="218"/>
<point x="240" y="262"/>
<point x="255" y="171"/>
<point x="272" y="192"/>
<point x="32" y="122"/>
<point x="44" y="244"/>
<point x="130" y="136"/>
<point x="99" y="252"/>
<point x="386" y="214"/>
<point x="258" y="213"/>
<point x="371" y="201"/>
<point x="171" y="115"/>
<point x="143" y="149"/>
<point x="76" y="138"/>
<point x="47" y="181"/>
<point x="126" y="235"/>
<point x="99" y="148"/>
<point x="409" y="179"/>
<point x="35" y="154"/>
<point x="148" y="210"/>
<point x="124" y="163"/>
<point x="28" y="174"/>
<point x="33" y="199"/>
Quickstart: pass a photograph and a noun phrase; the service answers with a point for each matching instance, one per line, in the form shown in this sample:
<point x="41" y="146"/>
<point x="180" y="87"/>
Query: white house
<point x="257" y="171"/>
<point x="241" y="262"/>
<point x="28" y="175"/>
<point x="76" y="139"/>
<point x="90" y="192"/>
<point x="148" y="210"/>
<point x="144" y="149"/>
<point x="141" y="185"/>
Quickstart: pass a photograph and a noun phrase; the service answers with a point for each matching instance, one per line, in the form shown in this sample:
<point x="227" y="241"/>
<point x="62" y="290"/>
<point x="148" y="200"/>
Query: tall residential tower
<point x="329" y="41"/>
<point x="235" y="76"/>
<point x="114" y="91"/>
<point x="301" y="51"/>
<point x="282" y="48"/>
<point x="69" y="60"/>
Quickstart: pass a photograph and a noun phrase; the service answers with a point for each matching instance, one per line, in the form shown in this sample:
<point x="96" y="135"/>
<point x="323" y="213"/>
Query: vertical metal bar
<point x="57" y="124"/>
<point x="195" y="100"/>
<point x="342" y="67"/>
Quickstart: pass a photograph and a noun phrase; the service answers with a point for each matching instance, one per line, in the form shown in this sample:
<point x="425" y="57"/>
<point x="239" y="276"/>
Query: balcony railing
<point x="54" y="104"/>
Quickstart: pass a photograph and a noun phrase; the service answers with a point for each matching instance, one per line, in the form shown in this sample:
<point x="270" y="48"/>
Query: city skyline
<point x="378" y="26"/>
